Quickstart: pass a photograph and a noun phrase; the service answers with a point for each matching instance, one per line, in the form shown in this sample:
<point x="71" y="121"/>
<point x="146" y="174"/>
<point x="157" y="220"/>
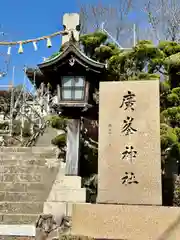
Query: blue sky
<point x="22" y="20"/>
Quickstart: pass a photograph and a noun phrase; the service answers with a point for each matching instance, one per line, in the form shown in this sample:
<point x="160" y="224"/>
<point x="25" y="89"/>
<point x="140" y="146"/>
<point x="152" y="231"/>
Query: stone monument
<point x="129" y="143"/>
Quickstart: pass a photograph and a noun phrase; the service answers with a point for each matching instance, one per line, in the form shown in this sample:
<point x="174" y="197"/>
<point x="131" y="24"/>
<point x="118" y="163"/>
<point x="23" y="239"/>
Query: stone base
<point x="65" y="191"/>
<point x="130" y="222"/>
<point x="17" y="230"/>
<point x="67" y="195"/>
<point x="58" y="208"/>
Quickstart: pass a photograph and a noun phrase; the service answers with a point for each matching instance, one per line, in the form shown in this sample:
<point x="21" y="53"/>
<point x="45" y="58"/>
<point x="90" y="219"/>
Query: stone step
<point x="67" y="182"/>
<point x="63" y="194"/>
<point x="49" y="162"/>
<point x="18" y="169"/>
<point x="23" y="196"/>
<point x="26" y="155"/>
<point x="16" y="237"/>
<point x="21" y="207"/>
<point x="12" y="237"/>
<point x="23" y="162"/>
<point x="62" y="182"/>
<point x="22" y="187"/>
<point x="20" y="231"/>
<point x="18" y="218"/>
<point x="22" y="177"/>
<point x="27" y="149"/>
<point x="67" y="195"/>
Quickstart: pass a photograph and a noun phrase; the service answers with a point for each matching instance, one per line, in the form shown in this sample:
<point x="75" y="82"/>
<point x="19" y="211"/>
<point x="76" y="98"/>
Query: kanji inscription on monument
<point x="128" y="100"/>
<point x="129" y="161"/>
<point x="129" y="154"/>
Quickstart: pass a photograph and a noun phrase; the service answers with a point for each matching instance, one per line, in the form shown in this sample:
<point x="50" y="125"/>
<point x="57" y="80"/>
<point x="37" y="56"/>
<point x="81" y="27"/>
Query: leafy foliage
<point x="91" y="41"/>
<point x="58" y="122"/>
<point x="60" y="141"/>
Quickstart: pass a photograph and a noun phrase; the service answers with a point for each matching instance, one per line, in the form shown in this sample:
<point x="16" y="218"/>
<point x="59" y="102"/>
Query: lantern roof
<point x="71" y="48"/>
<point x="70" y="55"/>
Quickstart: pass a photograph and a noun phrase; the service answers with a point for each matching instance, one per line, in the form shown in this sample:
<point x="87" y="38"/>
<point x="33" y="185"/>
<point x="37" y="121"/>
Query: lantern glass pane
<point x="73" y="88"/>
<point x="79" y="94"/>
<point x="67" y="81"/>
<point x="66" y="94"/>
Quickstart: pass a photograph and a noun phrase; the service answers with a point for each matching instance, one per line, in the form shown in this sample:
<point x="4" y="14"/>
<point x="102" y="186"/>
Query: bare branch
<point x="164" y="18"/>
<point x="115" y="17"/>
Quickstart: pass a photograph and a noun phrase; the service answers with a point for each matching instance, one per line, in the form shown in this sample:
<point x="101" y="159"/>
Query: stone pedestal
<point x="65" y="191"/>
<point x="131" y="222"/>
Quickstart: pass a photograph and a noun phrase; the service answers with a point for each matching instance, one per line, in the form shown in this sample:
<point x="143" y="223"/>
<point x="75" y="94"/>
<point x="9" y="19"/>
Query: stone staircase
<point x="25" y="182"/>
<point x="33" y="181"/>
